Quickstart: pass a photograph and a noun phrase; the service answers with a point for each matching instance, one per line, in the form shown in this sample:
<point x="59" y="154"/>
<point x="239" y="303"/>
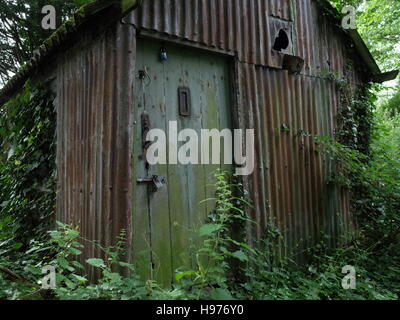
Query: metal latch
<point x="156" y="182"/>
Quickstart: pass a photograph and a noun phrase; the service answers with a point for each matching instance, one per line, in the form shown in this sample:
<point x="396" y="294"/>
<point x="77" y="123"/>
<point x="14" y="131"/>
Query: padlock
<point x="159" y="182"/>
<point x="155" y="182"/>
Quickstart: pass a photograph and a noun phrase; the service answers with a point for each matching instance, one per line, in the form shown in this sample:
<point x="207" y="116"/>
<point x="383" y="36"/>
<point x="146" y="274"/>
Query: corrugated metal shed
<point x="94" y="99"/>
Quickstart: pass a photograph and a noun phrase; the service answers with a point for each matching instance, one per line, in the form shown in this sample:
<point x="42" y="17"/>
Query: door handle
<point x="155" y="182"/>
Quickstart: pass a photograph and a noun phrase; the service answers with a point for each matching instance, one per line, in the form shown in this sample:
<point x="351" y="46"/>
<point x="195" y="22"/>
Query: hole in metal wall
<point x="281" y="41"/>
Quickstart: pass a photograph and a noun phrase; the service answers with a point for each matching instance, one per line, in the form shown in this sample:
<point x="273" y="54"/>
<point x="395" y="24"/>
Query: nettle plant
<point x="216" y="259"/>
<point x="70" y="280"/>
<point x="213" y="277"/>
<point x="226" y="268"/>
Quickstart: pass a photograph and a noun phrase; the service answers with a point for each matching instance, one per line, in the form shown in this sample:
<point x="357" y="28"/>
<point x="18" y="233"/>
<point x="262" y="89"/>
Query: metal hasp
<point x="185" y="101"/>
<point x="155" y="182"/>
<point x="145" y="121"/>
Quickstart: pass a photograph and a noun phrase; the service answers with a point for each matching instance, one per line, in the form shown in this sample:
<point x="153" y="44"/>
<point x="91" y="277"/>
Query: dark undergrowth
<point x="374" y="254"/>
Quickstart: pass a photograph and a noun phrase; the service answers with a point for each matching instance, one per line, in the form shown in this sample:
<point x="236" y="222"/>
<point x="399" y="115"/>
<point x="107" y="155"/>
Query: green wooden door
<point x="163" y="221"/>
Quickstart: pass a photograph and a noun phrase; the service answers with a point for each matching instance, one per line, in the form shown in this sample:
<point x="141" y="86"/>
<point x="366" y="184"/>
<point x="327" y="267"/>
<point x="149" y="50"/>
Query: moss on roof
<point x="81" y="17"/>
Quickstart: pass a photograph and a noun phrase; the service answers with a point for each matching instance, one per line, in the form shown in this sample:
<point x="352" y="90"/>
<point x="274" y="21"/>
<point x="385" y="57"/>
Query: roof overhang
<point x="385" y="76"/>
<point x="373" y="70"/>
<point x="363" y="51"/>
<point x="375" y="73"/>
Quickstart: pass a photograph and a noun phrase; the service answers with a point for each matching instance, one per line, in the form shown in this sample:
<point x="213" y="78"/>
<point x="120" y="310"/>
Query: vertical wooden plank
<point x="177" y="173"/>
<point x="152" y="227"/>
<point x="192" y="64"/>
<point x="158" y="201"/>
<point x="216" y="115"/>
<point x="209" y="100"/>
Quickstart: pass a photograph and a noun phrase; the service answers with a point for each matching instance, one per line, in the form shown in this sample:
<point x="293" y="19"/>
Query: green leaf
<point x="33" y="270"/>
<point x="209" y="229"/>
<point x="72" y="234"/>
<point x="127" y="265"/>
<point x="181" y="275"/>
<point x="98" y="263"/>
<point x="17" y="245"/>
<point x="75" y="251"/>
<point x="221" y="294"/>
<point x="240" y="255"/>
<point x="77" y="264"/>
<point x="63" y="263"/>
<point x="79" y="278"/>
<point x="69" y="283"/>
<point x="61" y="225"/>
<point x="112" y="276"/>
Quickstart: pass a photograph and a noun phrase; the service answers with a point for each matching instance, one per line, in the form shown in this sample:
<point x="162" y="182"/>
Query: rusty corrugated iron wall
<point x="248" y="28"/>
<point x="94" y="104"/>
<point x="95" y="80"/>
<point x="290" y="185"/>
<point x="240" y="26"/>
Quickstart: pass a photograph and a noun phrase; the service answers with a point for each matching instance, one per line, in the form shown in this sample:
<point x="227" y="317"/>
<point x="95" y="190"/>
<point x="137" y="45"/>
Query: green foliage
<point x="374" y="254"/>
<point x="391" y="107"/>
<point x="374" y="251"/>
<point x="27" y="168"/>
<point x="72" y="284"/>
<point x="214" y="270"/>
<point x="62" y="248"/>
<point x="339" y="4"/>
<point x="378" y="22"/>
<point x="209" y="280"/>
<point x="226" y="266"/>
<point x="355" y="118"/>
<point x="22" y="32"/>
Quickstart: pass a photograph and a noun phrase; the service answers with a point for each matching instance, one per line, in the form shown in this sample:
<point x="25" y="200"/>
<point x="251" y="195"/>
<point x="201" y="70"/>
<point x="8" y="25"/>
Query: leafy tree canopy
<point x="378" y="22"/>
<point x="21" y="30"/>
